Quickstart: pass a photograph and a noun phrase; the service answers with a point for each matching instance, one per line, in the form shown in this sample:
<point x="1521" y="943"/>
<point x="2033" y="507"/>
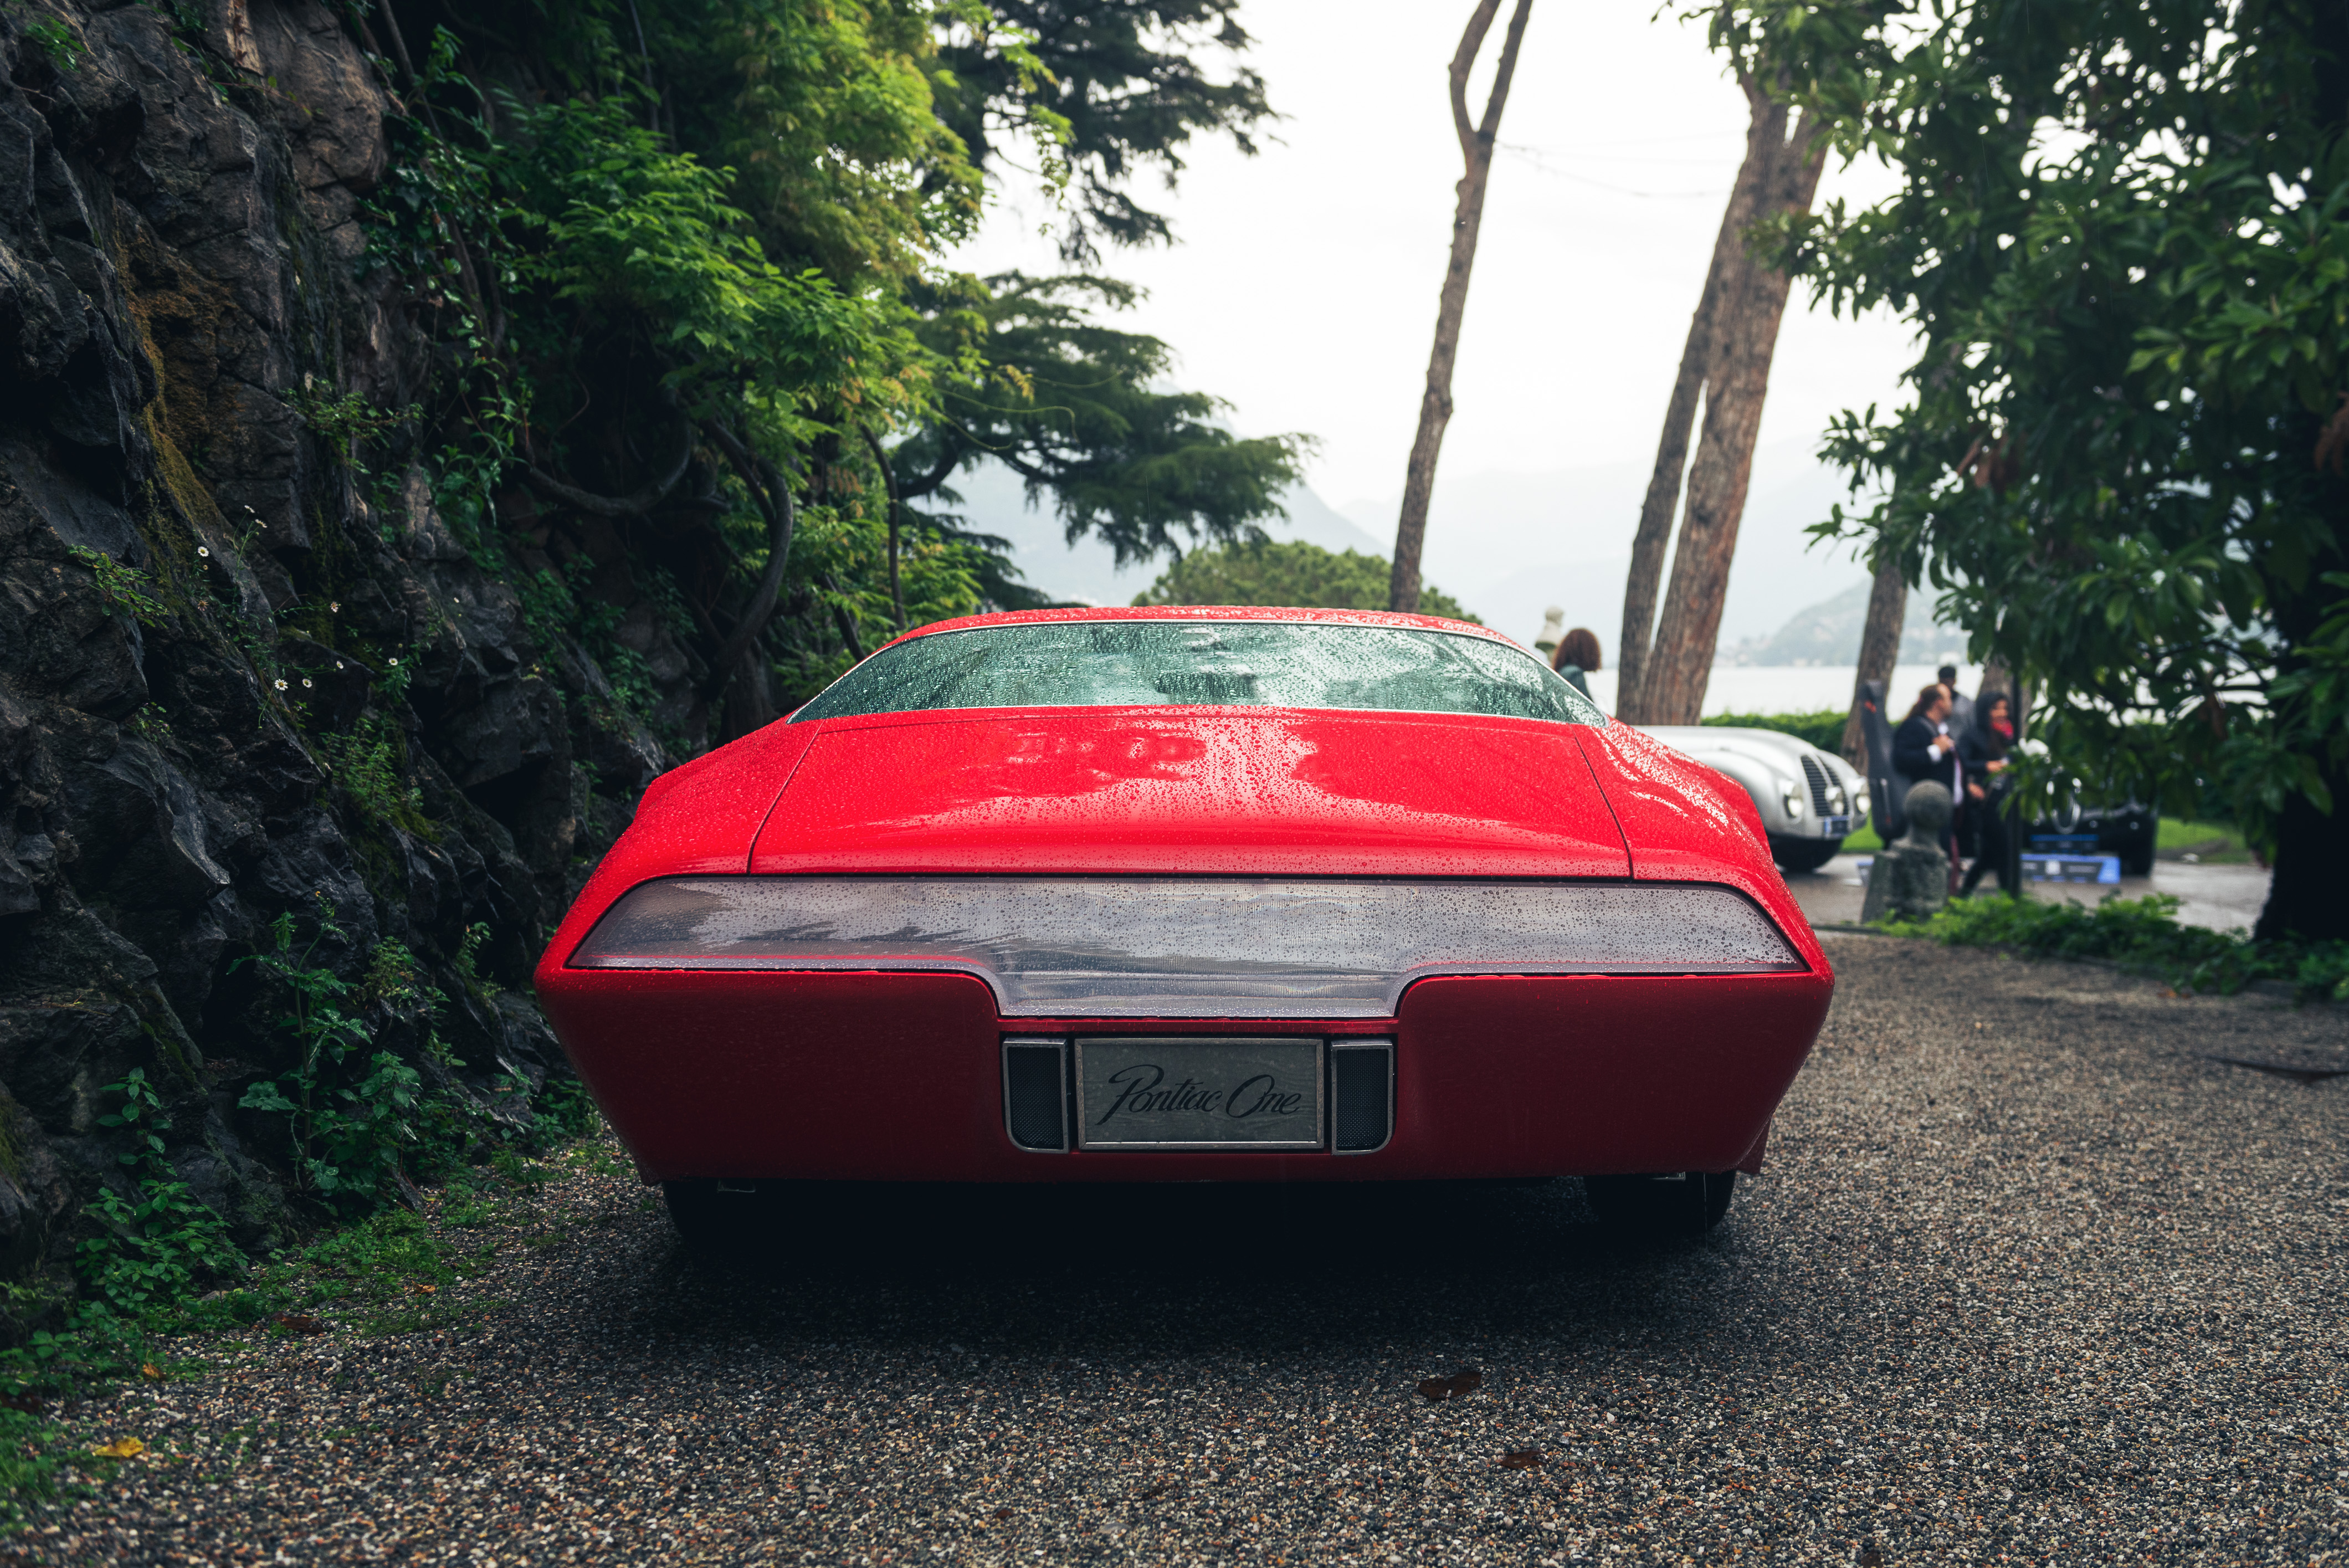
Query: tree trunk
<point x="1752" y="300"/>
<point x="2306" y="895"/>
<point x="1879" y="649"/>
<point x="1467" y="218"/>
<point x="1663" y="499"/>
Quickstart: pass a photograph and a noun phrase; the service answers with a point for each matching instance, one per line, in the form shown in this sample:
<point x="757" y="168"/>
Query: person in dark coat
<point x="1981" y="751"/>
<point x="1962" y="707"/>
<point x="1923" y="748"/>
<point x="1577" y="657"/>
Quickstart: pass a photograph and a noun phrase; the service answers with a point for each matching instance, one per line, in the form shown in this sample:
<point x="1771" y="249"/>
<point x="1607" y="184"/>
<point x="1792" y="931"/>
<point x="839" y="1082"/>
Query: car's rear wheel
<point x="715" y="1217"/>
<point x="1685" y="1203"/>
<point x="1796" y="856"/>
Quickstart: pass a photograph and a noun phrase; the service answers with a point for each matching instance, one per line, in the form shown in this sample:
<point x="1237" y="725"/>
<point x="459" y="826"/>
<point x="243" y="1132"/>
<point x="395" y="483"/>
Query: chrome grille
<point x="1818" y="777"/>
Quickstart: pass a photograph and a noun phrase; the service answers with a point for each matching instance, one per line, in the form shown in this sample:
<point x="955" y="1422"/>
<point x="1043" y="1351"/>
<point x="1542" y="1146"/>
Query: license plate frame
<point x="1836" y="827"/>
<point x="1189" y="1070"/>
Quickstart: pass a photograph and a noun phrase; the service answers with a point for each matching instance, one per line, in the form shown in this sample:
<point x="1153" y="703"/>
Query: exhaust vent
<point x="1361" y="1096"/>
<point x="1036" y="1095"/>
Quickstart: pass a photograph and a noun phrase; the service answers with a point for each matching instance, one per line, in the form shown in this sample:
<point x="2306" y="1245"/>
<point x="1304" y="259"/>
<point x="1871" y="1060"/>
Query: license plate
<point x="1837" y="826"/>
<point x="1189" y="1093"/>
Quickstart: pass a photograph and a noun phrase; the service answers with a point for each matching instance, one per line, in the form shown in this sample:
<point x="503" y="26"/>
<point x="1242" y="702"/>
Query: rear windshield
<point x="1158" y="663"/>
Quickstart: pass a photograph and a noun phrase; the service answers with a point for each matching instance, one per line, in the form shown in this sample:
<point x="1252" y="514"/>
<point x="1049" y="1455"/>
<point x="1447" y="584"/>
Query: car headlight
<point x="1859" y="802"/>
<point x="1791" y="794"/>
<point x="1165" y="947"/>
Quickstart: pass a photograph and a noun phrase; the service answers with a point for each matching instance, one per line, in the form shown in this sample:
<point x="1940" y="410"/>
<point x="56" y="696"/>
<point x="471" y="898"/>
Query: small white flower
<point x="205" y="551"/>
<point x="305" y="683"/>
<point x="394" y="664"/>
<point x="280" y="686"/>
<point x="334" y="607"/>
<point x="338" y="664"/>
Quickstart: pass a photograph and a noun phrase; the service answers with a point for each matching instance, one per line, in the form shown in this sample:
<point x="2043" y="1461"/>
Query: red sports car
<point x="1192" y="893"/>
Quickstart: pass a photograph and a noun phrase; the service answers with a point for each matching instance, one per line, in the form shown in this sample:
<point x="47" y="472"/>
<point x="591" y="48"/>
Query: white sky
<point x="1303" y="285"/>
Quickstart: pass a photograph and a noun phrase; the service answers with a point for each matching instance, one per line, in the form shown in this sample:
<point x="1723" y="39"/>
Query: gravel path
<point x="2029" y="1278"/>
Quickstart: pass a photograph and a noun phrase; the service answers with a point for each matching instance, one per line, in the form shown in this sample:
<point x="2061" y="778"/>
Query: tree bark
<point x="1663" y="499"/>
<point x="1880" y="650"/>
<point x="1745" y="338"/>
<point x="1467" y="219"/>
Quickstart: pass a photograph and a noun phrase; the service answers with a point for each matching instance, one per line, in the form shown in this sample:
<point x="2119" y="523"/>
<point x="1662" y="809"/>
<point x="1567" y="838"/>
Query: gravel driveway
<point x="2029" y="1278"/>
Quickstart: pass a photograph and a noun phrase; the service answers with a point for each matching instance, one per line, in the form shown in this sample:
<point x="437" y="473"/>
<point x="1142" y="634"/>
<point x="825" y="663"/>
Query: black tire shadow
<point x="1183" y="1268"/>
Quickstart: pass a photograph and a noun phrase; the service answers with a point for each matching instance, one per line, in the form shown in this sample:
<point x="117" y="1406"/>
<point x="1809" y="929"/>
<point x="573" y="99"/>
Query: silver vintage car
<point x="1809" y="799"/>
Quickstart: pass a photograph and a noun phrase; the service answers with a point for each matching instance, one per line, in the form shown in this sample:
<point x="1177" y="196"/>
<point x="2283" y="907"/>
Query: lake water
<point x="1805" y="689"/>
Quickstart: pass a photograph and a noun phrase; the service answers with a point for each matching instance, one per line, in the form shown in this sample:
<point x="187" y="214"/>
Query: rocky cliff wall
<point x="239" y="681"/>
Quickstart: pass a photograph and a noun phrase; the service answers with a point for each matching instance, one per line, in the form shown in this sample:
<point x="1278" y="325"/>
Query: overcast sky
<point x="1302" y="288"/>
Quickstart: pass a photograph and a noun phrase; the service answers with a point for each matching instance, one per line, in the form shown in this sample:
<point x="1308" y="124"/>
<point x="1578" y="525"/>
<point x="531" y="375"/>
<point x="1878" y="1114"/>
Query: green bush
<point x="1287" y="572"/>
<point x="2141" y="934"/>
<point x="1824" y="729"/>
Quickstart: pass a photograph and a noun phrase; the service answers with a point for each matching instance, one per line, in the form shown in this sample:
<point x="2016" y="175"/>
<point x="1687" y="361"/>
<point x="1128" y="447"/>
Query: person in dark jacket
<point x="1981" y="751"/>
<point x="1962" y="707"/>
<point x="1923" y="748"/>
<point x="1577" y="657"/>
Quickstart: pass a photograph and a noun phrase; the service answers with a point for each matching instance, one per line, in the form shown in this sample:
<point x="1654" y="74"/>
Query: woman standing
<point x="1577" y="657"/>
<point x="1981" y="750"/>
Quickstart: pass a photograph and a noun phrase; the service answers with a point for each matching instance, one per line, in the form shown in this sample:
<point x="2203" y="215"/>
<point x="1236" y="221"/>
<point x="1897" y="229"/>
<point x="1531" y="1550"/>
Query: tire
<point x="714" y="1224"/>
<point x="2137" y="862"/>
<point x="1796" y="856"/>
<point x="1662" y="1207"/>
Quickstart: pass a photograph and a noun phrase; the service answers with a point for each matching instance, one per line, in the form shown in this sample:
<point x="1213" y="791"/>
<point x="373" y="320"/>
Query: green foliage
<point x="1078" y="409"/>
<point x="825" y="119"/>
<point x="349" y="1110"/>
<point x="1289" y="572"/>
<point x="368" y="761"/>
<point x="2211" y="842"/>
<point x="123" y="588"/>
<point x="88" y="1354"/>
<point x="557" y="607"/>
<point x="693" y="279"/>
<point x="59" y="44"/>
<point x="2123" y="235"/>
<point x="611" y="220"/>
<point x="342" y="421"/>
<point x="1104" y="87"/>
<point x="1823" y="729"/>
<point x="2141" y="934"/>
<point x="157" y="1243"/>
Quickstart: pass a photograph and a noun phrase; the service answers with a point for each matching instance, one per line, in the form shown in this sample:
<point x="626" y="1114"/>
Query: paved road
<point x="2222" y="898"/>
<point x="2028" y="1280"/>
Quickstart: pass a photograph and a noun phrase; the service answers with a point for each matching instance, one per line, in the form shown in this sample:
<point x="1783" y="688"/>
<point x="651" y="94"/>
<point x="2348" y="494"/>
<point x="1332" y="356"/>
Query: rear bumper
<point x="898" y="1076"/>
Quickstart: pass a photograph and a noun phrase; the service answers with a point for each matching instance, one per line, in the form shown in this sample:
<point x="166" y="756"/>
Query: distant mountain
<point x="1506" y="545"/>
<point x="1828" y="633"/>
<point x="1509" y="544"/>
<point x="993" y="500"/>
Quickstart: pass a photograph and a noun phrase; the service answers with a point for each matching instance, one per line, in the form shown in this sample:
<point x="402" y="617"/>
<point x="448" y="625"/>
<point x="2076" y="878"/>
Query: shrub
<point x="2141" y="934"/>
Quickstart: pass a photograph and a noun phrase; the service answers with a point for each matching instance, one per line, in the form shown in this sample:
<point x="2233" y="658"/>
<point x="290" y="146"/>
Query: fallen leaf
<point x="1522" y="1459"/>
<point x="148" y="1369"/>
<point x="298" y="1323"/>
<point x="1002" y="1513"/>
<point x="1161" y="1489"/>
<point x="1869" y="1557"/>
<point x="2286" y="1070"/>
<point x="121" y="1449"/>
<point x="28" y="1403"/>
<point x="424" y="1290"/>
<point x="1439" y="1389"/>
